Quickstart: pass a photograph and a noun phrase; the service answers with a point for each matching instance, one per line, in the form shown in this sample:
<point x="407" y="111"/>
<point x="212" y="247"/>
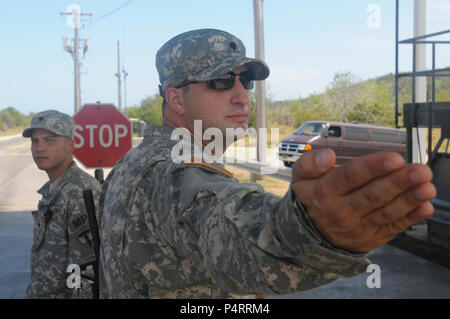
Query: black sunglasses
<point x="227" y="82"/>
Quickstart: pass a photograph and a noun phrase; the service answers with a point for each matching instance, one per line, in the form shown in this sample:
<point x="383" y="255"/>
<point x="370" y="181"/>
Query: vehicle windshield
<point x="310" y="129"/>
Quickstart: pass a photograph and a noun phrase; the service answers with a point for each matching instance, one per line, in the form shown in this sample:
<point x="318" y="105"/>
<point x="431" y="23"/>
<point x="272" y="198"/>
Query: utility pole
<point x="259" y="85"/>
<point x="75" y="51"/>
<point x="119" y="83"/>
<point x="125" y="74"/>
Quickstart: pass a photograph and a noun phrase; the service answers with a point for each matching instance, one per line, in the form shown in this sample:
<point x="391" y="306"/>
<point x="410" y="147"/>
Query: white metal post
<point x="419" y="137"/>
<point x="260" y="85"/>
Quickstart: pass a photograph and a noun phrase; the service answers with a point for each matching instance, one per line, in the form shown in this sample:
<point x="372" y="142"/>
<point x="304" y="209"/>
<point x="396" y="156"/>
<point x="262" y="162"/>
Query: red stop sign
<point x="102" y="135"/>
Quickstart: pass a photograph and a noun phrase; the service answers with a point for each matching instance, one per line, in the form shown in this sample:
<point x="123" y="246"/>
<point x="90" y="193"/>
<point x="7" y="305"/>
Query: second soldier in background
<point x="61" y="234"/>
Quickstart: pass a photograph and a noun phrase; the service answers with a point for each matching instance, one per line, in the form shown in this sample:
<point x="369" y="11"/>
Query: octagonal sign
<point x="102" y="135"/>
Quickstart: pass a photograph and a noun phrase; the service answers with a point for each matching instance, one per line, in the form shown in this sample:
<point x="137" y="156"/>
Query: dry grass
<point x="283" y="131"/>
<point x="435" y="136"/>
<point x="271" y="185"/>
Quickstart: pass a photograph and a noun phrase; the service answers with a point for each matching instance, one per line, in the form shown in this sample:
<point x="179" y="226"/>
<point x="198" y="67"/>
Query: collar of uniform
<point x="158" y="130"/>
<point x="65" y="177"/>
<point x="218" y="167"/>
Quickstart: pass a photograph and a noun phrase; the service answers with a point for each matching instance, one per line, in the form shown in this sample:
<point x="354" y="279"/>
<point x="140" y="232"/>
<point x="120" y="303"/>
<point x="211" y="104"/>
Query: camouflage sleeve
<point x="253" y="242"/>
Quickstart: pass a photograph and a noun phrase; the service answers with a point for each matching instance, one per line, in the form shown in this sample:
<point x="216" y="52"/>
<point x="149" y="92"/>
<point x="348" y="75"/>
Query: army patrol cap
<point x="53" y="121"/>
<point x="202" y="55"/>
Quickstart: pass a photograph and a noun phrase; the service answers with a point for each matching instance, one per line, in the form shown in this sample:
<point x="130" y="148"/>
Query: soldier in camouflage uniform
<point x="61" y="234"/>
<point x="189" y="229"/>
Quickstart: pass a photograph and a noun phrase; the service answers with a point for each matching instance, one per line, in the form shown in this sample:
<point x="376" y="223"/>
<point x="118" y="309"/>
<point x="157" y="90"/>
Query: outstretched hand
<point x="365" y="203"/>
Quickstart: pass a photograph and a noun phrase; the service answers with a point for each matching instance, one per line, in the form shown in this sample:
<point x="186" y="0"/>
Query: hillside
<point x="349" y="99"/>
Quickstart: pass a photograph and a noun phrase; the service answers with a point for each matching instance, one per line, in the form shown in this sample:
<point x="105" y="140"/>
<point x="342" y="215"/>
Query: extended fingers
<point x="339" y="180"/>
<point x="403" y="205"/>
<point x="313" y="164"/>
<point x="382" y="191"/>
<point x="420" y="213"/>
<point x="361" y="171"/>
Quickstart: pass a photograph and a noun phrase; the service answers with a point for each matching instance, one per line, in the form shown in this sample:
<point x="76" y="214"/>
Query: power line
<point x="111" y="12"/>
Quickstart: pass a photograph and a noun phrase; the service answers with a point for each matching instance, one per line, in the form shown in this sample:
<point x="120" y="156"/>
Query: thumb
<point x="313" y="164"/>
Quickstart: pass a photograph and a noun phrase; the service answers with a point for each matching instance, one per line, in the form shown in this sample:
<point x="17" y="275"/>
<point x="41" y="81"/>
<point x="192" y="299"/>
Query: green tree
<point x="342" y="95"/>
<point x="20" y="119"/>
<point x="7" y="119"/>
<point x="11" y="118"/>
<point x="373" y="105"/>
<point x="150" y="110"/>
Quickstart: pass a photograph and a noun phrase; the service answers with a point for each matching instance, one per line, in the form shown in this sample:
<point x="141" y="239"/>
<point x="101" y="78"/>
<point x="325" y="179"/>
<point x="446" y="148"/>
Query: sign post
<point x="102" y="135"/>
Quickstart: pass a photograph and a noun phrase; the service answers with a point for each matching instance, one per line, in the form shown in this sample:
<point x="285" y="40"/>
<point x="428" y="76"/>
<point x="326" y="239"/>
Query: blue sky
<point x="306" y="43"/>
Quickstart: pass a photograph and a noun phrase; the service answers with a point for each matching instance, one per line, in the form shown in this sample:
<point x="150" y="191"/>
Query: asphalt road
<point x="19" y="177"/>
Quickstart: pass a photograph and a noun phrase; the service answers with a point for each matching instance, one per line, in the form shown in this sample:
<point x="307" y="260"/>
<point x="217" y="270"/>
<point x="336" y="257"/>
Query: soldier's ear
<point x="70" y="145"/>
<point x="175" y="100"/>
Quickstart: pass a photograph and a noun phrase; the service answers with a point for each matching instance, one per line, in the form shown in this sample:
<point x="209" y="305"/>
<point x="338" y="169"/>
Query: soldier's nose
<point x="240" y="94"/>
